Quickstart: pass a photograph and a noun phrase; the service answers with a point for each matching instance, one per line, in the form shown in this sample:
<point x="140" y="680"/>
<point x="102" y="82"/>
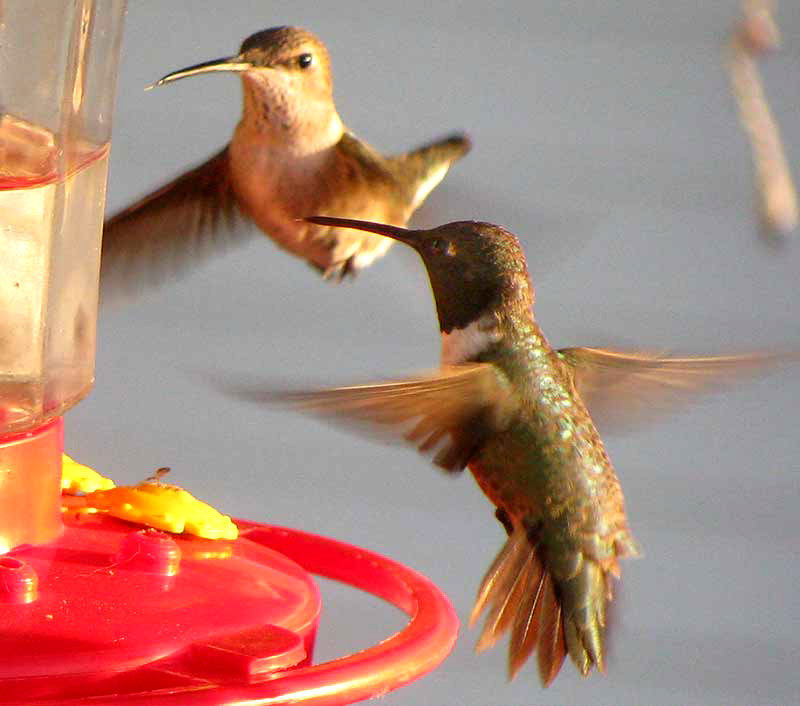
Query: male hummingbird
<point x="289" y="156"/>
<point x="516" y="412"/>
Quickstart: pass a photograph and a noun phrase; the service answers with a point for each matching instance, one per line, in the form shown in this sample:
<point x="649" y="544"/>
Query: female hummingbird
<point x="290" y="155"/>
<point x="516" y="412"/>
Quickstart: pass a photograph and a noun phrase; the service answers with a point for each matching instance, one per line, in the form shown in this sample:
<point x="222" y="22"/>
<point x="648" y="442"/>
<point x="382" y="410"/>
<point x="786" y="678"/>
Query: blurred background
<point x="606" y="137"/>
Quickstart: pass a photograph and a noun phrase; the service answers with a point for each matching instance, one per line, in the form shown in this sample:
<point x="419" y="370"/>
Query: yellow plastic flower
<point x="151" y="503"/>
<point x="77" y="478"/>
<point x="165" y="507"/>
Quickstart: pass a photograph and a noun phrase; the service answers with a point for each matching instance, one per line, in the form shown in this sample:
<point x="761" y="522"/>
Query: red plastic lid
<point x="111" y="598"/>
<point x="124" y="615"/>
<point x="106" y="611"/>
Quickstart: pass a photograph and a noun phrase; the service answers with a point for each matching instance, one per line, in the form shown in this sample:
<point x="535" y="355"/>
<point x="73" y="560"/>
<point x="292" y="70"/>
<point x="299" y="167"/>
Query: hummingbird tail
<point x="553" y="617"/>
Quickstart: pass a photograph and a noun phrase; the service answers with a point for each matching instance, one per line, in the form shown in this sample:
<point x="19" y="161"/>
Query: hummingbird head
<point x="474" y="268"/>
<point x="295" y="55"/>
<point x="286" y="76"/>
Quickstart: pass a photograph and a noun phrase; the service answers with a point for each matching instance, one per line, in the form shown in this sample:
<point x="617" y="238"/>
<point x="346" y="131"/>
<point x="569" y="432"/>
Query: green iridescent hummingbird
<point x="516" y="412"/>
<point x="289" y="156"/>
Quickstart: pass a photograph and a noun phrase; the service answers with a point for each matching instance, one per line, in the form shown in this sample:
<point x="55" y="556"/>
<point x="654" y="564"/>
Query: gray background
<point x="606" y="138"/>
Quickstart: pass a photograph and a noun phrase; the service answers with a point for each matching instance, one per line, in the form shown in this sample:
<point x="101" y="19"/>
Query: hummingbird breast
<point x="550" y="469"/>
<point x="550" y="475"/>
<point x="276" y="187"/>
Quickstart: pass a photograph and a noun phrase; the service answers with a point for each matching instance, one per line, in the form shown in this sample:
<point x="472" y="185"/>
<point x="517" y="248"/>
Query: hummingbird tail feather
<point x="552" y="650"/>
<point x="552" y="616"/>
<point x="584" y="599"/>
<point x="521" y="596"/>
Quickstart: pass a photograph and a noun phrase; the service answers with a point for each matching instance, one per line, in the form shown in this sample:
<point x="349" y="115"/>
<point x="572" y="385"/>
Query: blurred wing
<point x="626" y="389"/>
<point x="422" y="169"/>
<point x="448" y="412"/>
<point x="181" y="223"/>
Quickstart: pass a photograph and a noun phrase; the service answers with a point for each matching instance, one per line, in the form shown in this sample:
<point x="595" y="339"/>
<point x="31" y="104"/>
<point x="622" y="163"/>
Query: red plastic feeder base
<point x="108" y="613"/>
<point x="97" y="610"/>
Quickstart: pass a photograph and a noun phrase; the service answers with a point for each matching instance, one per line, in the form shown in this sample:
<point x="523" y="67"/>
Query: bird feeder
<point x="95" y="608"/>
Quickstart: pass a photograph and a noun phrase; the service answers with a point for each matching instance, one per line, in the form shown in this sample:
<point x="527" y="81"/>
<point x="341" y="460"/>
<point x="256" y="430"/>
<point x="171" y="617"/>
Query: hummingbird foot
<point x="341" y="270"/>
<point x="505" y="520"/>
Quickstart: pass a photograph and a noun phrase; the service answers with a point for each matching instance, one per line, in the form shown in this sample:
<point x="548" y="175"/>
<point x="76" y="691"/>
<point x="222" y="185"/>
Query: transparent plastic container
<point x="58" y="69"/>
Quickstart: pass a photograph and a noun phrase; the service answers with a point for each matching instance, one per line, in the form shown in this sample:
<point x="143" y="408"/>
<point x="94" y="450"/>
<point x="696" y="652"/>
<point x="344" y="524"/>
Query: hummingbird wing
<point x="184" y="221"/>
<point x="420" y="170"/>
<point x="448" y="412"/>
<point x="624" y="389"/>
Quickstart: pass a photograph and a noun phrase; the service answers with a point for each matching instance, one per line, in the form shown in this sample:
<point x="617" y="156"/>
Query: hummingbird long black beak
<point x="404" y="235"/>
<point x="228" y="63"/>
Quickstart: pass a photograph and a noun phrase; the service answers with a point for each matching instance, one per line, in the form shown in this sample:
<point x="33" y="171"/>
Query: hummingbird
<point x="516" y="412"/>
<point x="290" y="155"/>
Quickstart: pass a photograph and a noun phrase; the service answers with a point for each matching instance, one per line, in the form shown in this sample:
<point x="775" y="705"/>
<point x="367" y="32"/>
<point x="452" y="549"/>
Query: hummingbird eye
<point x="305" y="60"/>
<point x="440" y="246"/>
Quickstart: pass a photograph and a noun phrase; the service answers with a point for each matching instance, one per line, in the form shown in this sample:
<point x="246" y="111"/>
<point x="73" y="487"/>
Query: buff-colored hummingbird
<point x="289" y="156"/>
